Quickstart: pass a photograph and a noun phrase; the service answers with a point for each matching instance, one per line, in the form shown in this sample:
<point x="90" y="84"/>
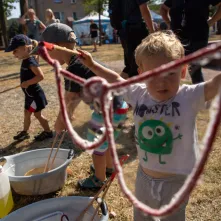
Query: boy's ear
<point x="139" y="71"/>
<point x="184" y="71"/>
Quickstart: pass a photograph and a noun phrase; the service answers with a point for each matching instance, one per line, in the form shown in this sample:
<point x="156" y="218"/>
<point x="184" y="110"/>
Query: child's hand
<point x="25" y="84"/>
<point x="86" y="58"/>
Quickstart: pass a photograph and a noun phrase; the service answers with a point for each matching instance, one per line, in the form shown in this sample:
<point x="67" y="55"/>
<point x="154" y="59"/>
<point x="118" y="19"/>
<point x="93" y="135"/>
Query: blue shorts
<point x="96" y="127"/>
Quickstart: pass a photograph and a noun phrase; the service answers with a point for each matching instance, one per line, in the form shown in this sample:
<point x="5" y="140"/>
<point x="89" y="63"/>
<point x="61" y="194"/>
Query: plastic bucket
<point x="53" y="209"/>
<point x="17" y="165"/>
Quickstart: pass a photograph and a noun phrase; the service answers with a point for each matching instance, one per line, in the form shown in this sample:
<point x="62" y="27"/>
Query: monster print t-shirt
<point x="165" y="132"/>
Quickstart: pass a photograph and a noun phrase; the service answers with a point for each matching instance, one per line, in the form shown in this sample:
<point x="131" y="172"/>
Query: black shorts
<point x="35" y="103"/>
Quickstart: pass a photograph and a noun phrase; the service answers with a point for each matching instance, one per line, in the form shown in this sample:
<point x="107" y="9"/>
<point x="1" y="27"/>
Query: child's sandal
<point x="91" y="183"/>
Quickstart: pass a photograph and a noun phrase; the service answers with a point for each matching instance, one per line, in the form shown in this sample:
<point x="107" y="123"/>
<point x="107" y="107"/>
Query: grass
<point x="205" y="201"/>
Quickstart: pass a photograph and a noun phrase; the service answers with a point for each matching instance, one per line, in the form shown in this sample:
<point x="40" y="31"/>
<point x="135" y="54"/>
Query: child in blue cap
<point x="30" y="76"/>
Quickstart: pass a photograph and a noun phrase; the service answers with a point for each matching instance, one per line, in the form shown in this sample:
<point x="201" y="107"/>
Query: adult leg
<point x="125" y="71"/>
<point x="136" y="33"/>
<point x="195" y="70"/>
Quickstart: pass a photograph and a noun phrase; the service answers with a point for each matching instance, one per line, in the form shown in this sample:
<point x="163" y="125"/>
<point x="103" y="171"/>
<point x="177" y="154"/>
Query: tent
<point x="83" y="26"/>
<point x="157" y="18"/>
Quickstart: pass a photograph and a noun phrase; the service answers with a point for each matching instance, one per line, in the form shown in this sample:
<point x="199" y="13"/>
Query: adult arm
<point x="145" y="12"/>
<point x="39" y="76"/>
<point x="98" y="69"/>
<point x="22" y="20"/>
<point x="164" y="11"/>
<point x="42" y="26"/>
<point x="216" y="16"/>
<point x="212" y="87"/>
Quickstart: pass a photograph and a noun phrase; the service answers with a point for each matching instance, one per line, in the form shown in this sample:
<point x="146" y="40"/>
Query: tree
<point x="7" y="5"/>
<point x="90" y="5"/>
<point x="5" y="10"/>
<point x="97" y="5"/>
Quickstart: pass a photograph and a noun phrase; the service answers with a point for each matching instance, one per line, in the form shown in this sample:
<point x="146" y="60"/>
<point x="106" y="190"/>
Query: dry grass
<point x="205" y="201"/>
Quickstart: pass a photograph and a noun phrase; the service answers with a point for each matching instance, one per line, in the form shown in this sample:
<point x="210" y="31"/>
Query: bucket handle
<point x="70" y="154"/>
<point x="103" y="207"/>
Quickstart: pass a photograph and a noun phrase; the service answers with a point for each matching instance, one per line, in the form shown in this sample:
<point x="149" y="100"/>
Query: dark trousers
<point x="195" y="70"/>
<point x="131" y="36"/>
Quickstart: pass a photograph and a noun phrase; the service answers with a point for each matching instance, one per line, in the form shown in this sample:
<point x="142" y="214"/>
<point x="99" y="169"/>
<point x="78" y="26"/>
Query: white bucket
<point x="53" y="209"/>
<point x="17" y="165"/>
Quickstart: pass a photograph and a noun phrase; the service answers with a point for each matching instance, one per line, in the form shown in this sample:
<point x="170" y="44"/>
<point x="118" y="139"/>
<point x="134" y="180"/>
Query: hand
<point x="86" y="58"/>
<point x="25" y="84"/>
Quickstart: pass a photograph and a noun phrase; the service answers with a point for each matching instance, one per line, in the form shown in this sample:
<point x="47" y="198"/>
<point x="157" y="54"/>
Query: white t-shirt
<point x="165" y="133"/>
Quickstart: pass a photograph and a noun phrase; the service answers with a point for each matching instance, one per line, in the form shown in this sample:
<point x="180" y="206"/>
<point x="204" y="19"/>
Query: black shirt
<point x="93" y="33"/>
<point x="77" y="68"/>
<point x="131" y="11"/>
<point x="194" y="14"/>
<point x="27" y="74"/>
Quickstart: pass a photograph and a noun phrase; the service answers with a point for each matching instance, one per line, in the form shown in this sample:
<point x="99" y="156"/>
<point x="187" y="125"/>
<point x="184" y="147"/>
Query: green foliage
<point x="94" y="5"/>
<point x="7" y="4"/>
<point x="14" y="28"/>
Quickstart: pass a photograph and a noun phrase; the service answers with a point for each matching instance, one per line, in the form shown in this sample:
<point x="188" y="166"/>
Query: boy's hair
<point x="159" y="43"/>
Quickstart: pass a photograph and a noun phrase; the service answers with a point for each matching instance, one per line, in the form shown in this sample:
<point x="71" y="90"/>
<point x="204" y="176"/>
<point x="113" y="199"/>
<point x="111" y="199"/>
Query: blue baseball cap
<point x="17" y="41"/>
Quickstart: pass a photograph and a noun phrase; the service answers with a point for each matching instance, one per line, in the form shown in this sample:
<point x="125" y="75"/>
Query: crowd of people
<point x="166" y="155"/>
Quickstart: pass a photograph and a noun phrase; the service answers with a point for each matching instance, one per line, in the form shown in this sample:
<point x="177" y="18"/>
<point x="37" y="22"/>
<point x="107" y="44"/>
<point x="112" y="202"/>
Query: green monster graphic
<point x="155" y="136"/>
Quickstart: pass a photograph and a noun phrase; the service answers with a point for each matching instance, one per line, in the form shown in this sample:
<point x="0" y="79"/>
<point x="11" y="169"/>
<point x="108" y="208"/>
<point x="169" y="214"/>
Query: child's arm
<point x="39" y="76"/>
<point x="98" y="69"/>
<point x="212" y="87"/>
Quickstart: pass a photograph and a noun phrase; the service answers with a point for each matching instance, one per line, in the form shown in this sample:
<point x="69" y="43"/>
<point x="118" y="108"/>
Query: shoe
<point x="94" y="50"/>
<point x="22" y="135"/>
<point x="91" y="183"/>
<point x="109" y="171"/>
<point x="44" y="135"/>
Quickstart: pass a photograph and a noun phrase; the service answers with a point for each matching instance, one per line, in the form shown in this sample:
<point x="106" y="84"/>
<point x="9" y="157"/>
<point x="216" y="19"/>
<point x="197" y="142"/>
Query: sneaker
<point x="91" y="183"/>
<point x="44" y="135"/>
<point x="94" y="50"/>
<point x="21" y="135"/>
<point x="109" y="171"/>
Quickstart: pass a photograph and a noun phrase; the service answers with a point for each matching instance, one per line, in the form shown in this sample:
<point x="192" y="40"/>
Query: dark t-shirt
<point x="131" y="11"/>
<point x="196" y="14"/>
<point x="27" y="74"/>
<point x="77" y="68"/>
<point x="93" y="33"/>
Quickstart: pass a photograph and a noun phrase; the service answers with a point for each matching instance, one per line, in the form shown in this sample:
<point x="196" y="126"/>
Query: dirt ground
<point x="205" y="201"/>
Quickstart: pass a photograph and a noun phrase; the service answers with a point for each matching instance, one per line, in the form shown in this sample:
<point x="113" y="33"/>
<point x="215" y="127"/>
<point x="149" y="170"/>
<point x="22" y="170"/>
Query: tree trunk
<point x="23" y="6"/>
<point x="218" y="27"/>
<point x="3" y="23"/>
<point x="23" y="9"/>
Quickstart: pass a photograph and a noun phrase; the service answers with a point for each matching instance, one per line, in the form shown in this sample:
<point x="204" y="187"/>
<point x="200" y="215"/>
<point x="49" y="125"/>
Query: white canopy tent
<point x="83" y="26"/>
